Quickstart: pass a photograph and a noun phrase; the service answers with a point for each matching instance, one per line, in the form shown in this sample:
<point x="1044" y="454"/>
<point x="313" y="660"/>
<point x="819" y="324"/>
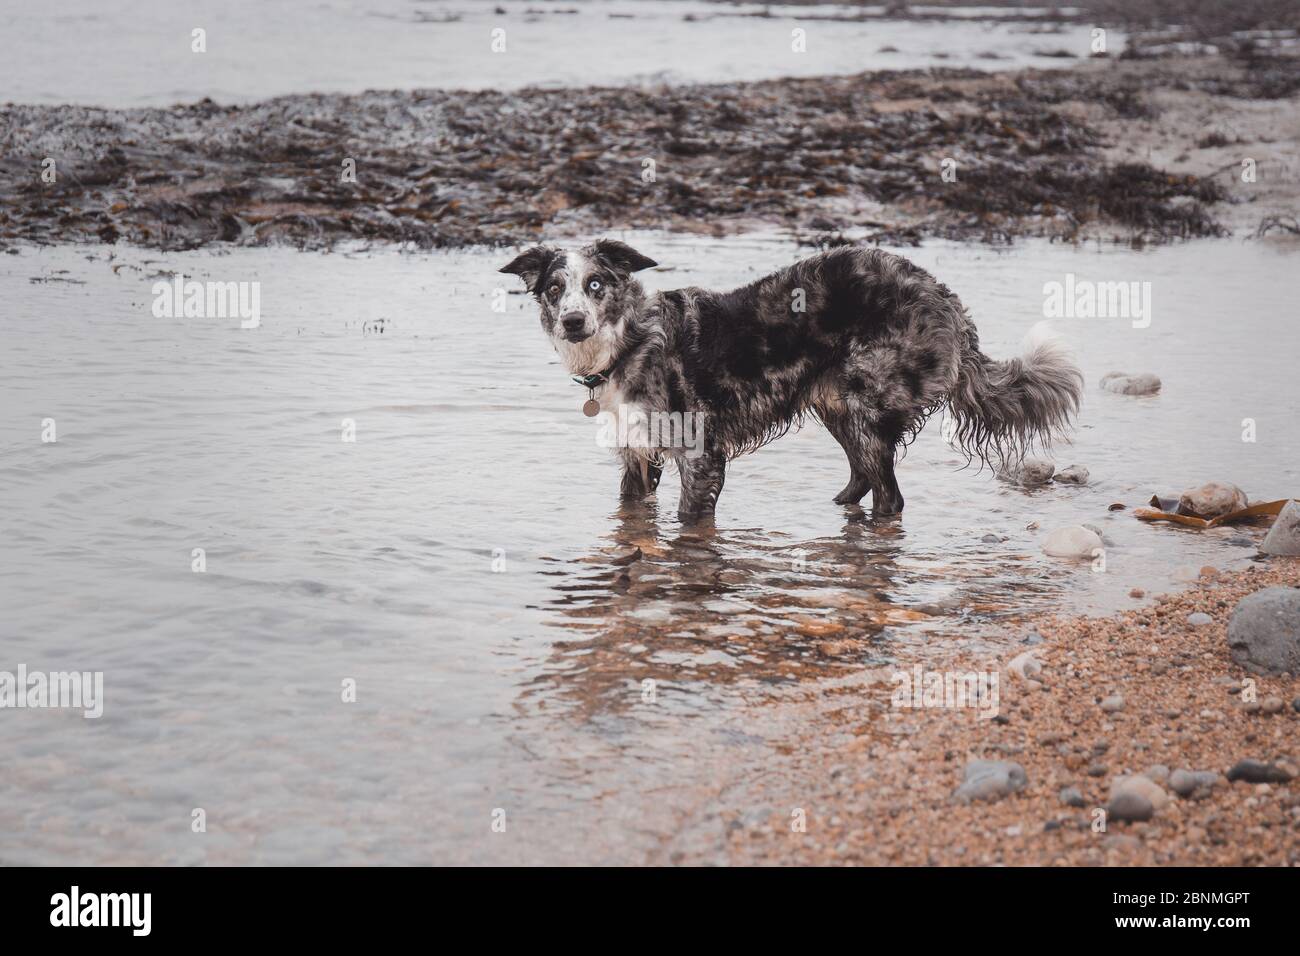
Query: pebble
<point x="1186" y="782"/>
<point x="1271" y="705"/>
<point x="1143" y="383"/>
<point x="1159" y="773"/>
<point x="1033" y="471"/>
<point x="1264" y="631"/>
<point x="1073" y="475"/>
<point x="1212" y="499"/>
<point x="1137" y="593"/>
<point x="1074" y="541"/>
<point x="1113" y="704"/>
<point x="1122" y="841"/>
<point x="1130" y="805"/>
<point x="1025" y="666"/>
<point x="1142" y="785"/>
<point x="1257" y="771"/>
<point x="1072" y="797"/>
<point x="1199" y="619"/>
<point x="1283" y="537"/>
<point x="990" y="780"/>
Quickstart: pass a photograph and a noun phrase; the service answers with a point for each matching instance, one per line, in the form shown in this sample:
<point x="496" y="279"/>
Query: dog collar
<point x="591" y="407"/>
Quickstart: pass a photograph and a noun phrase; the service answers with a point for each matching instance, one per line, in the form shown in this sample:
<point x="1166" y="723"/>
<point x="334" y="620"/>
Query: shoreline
<point x="1107" y="149"/>
<point x="878" y="781"/>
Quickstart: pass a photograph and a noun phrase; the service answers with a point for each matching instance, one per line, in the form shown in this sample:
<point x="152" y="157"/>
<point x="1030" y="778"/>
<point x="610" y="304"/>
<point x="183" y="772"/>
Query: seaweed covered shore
<point x="1030" y="153"/>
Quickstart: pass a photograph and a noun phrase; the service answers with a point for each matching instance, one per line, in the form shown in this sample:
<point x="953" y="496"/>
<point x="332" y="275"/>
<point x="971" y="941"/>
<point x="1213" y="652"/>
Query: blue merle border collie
<point x="863" y="340"/>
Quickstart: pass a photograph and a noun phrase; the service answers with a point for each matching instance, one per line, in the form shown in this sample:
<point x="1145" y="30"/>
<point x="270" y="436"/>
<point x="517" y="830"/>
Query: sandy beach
<point x="883" y="793"/>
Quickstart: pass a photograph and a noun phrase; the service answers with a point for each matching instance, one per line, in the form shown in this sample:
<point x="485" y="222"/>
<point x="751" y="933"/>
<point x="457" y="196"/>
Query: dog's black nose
<point x="574" y="321"/>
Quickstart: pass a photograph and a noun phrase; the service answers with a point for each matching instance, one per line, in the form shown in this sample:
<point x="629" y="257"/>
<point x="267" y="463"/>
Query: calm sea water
<point x="139" y="54"/>
<point x="517" y="687"/>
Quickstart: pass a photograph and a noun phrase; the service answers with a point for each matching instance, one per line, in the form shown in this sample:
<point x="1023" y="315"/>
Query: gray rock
<point x="1284" y="537"/>
<point x="1212" y="499"/>
<point x="1199" y="619"/>
<point x="1256" y="771"/>
<point x="1264" y="631"/>
<point x="1072" y="797"/>
<point x="1158" y="773"/>
<point x="1129" y="805"/>
<point x="1187" y="782"/>
<point x="1142" y="785"/>
<point x="990" y="780"/>
<point x="1073" y="541"/>
<point x="1032" y="471"/>
<point x="1112" y="704"/>
<point x="1143" y="383"/>
<point x="1074" y="475"/>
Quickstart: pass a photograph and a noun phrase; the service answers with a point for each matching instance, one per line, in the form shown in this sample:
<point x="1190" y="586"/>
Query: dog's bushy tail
<point x="1002" y="409"/>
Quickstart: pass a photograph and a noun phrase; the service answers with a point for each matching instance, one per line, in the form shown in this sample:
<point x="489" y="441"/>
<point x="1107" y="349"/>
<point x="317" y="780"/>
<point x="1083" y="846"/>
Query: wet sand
<point x="1108" y="148"/>
<point x="876" y="782"/>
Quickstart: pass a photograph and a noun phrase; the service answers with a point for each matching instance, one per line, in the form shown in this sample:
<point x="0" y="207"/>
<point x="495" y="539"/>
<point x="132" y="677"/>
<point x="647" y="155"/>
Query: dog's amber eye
<point x="553" y="291"/>
<point x="594" y="285"/>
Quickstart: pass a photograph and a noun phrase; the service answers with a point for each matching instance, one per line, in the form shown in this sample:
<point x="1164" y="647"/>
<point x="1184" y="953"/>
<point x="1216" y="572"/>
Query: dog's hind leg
<point x="886" y="498"/>
<point x="870" y="449"/>
<point x="702" y="479"/>
<point x="840" y="424"/>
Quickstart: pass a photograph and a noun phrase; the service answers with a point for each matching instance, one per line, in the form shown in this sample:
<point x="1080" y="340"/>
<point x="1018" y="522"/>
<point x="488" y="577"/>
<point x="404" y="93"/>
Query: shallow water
<point x="139" y="54"/>
<point x="518" y="689"/>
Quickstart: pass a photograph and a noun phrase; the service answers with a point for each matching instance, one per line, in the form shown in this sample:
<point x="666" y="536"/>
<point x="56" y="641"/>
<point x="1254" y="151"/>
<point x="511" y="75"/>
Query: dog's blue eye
<point x="594" y="285"/>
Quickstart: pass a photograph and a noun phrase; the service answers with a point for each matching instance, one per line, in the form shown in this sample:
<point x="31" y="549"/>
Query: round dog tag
<point x="591" y="408"/>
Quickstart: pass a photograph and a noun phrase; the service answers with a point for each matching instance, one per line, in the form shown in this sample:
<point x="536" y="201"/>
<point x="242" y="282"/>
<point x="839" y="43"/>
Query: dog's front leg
<point x="702" y="479"/>
<point x="640" y="476"/>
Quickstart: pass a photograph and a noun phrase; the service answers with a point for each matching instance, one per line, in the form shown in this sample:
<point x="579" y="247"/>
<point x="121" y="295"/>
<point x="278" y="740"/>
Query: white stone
<point x="1074" y="541"/>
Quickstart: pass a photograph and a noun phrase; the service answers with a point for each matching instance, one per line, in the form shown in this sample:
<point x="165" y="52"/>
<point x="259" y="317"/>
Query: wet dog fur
<point x="862" y="340"/>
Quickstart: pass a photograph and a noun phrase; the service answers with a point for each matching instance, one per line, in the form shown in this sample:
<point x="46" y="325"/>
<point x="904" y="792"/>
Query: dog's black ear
<point x="530" y="264"/>
<point x="621" y="257"/>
